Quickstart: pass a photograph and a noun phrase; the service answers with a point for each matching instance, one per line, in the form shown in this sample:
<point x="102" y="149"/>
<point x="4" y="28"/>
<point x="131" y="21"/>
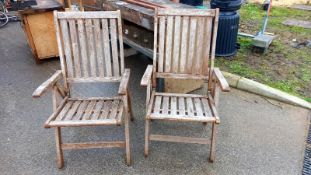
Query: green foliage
<point x="282" y="67"/>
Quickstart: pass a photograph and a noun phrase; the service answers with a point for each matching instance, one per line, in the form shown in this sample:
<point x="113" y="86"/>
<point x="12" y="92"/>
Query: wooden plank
<point x="168" y="44"/>
<point x="82" y="39"/>
<point x="191" y="46"/>
<point x="124" y="82"/>
<point x="186" y="12"/>
<point x="180" y="95"/>
<point x="89" y="110"/>
<point x="179" y="139"/>
<point x="106" y="42"/>
<point x="64" y="111"/>
<point x="165" y="105"/>
<point x="181" y="76"/>
<point x="97" y="110"/>
<point x="207" y="44"/>
<point x="179" y="118"/>
<point x="60" y="48"/>
<point x="77" y="123"/>
<point x="206" y="108"/>
<point x="88" y="15"/>
<point x="99" y="48"/>
<point x="120" y="39"/>
<point x="72" y="110"/>
<point x="157" y="104"/>
<point x="67" y="146"/>
<point x="146" y="79"/>
<point x="75" y="47"/>
<point x="56" y="112"/>
<point x="181" y="105"/>
<point x="81" y="110"/>
<point x="114" y="48"/>
<point x="189" y="104"/>
<point x="176" y="48"/>
<point x="184" y="44"/>
<point x="198" y="106"/>
<point x="120" y="112"/>
<point x="198" y="60"/>
<point x="114" y="109"/>
<point x="173" y="105"/>
<point x="94" y="79"/>
<point x="91" y="48"/>
<point x="106" y="109"/>
<point x="221" y="80"/>
<point x="161" y="44"/>
<point x="67" y="47"/>
<point x="48" y="83"/>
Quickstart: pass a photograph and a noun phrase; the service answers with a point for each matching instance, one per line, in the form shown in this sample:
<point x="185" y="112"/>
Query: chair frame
<point x="61" y="91"/>
<point x="212" y="75"/>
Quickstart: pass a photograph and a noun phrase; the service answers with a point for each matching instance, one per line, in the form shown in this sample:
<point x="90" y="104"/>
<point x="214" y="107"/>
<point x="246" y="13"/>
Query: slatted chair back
<point x="184" y="43"/>
<point x="90" y="46"/>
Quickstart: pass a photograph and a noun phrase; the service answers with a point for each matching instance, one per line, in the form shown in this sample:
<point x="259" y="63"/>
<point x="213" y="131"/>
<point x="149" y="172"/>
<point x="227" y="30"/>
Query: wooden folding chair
<point x="89" y="53"/>
<point x="184" y="48"/>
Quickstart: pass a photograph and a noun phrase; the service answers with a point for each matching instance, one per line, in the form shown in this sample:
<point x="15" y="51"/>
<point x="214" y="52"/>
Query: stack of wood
<point x="145" y="4"/>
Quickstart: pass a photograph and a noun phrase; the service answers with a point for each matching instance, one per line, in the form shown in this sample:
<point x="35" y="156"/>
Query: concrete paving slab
<point x="256" y="136"/>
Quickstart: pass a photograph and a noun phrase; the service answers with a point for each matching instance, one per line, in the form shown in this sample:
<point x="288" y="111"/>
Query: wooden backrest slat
<point x="207" y="38"/>
<point x="176" y="47"/>
<point x="161" y="43"/>
<point x="66" y="41"/>
<point x="91" y="49"/>
<point x="185" y="41"/>
<point x="197" y="68"/>
<point x="75" y="47"/>
<point x="114" y="47"/>
<point x="184" y="44"/>
<point x="191" y="46"/>
<point x="168" y="43"/>
<point x="99" y="48"/>
<point x="83" y="47"/>
<point x="106" y="47"/>
<point x="88" y="45"/>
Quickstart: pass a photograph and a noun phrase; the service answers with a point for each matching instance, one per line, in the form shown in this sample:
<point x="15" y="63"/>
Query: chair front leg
<point x="127" y="131"/>
<point x="147" y="137"/>
<point x="59" y="151"/>
<point x="213" y="142"/>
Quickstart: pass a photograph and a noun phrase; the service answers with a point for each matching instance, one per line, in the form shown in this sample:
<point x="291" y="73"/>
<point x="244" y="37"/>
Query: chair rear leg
<point x="213" y="143"/>
<point x="127" y="140"/>
<point x="147" y="137"/>
<point x="130" y="105"/>
<point x="59" y="151"/>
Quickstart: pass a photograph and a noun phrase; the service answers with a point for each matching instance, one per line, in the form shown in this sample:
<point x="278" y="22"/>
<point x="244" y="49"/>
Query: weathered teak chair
<point x="184" y="48"/>
<point x="89" y="53"/>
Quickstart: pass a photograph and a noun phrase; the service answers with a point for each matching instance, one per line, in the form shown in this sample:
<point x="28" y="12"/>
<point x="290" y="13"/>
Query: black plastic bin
<point x="192" y="2"/>
<point x="226" y="44"/>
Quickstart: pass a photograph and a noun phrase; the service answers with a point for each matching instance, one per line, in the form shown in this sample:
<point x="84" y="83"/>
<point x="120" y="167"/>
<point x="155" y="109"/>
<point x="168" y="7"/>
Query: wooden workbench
<point x="138" y="24"/>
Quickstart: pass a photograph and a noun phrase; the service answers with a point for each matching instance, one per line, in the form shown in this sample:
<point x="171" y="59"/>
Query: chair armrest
<point x="147" y="76"/>
<point x="221" y="80"/>
<point x="124" y="82"/>
<point x="48" y="83"/>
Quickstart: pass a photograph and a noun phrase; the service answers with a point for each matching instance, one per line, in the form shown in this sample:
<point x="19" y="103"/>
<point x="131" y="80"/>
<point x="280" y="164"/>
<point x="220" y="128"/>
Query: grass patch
<point x="282" y="67"/>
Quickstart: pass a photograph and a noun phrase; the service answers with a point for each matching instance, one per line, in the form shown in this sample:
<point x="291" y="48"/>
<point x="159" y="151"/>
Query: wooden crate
<point x="38" y="25"/>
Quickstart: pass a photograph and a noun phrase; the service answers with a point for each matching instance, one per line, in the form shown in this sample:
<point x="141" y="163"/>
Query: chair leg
<point x="213" y="143"/>
<point x="127" y="140"/>
<point x="129" y="105"/>
<point x="147" y="138"/>
<point x="59" y="151"/>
